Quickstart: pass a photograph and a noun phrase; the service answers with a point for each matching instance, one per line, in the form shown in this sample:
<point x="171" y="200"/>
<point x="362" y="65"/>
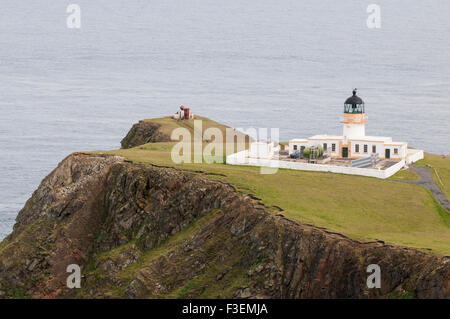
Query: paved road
<point x="426" y="180"/>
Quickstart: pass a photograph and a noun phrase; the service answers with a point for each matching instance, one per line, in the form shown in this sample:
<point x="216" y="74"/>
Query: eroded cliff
<point x="146" y="231"/>
<point x="144" y="132"/>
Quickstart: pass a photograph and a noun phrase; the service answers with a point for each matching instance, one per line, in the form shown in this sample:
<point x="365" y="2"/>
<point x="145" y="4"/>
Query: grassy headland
<point x="359" y="207"/>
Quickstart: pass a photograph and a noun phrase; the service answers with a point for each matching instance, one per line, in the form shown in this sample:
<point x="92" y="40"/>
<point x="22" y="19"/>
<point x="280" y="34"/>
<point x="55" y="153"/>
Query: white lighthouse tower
<point x="350" y="153"/>
<point x="355" y="119"/>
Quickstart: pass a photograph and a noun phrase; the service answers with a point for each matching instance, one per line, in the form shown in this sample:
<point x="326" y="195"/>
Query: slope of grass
<point x="359" y="207"/>
<point x="405" y="175"/>
<point x="442" y="165"/>
<point x="203" y="285"/>
<point x="168" y="125"/>
<point x="166" y="247"/>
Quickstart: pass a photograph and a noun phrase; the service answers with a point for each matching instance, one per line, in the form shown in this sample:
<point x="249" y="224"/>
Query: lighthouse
<point x="352" y="152"/>
<point x="355" y="118"/>
<point x="354" y="143"/>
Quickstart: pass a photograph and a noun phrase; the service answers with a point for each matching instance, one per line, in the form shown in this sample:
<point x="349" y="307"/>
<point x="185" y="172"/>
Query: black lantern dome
<point x="354" y="104"/>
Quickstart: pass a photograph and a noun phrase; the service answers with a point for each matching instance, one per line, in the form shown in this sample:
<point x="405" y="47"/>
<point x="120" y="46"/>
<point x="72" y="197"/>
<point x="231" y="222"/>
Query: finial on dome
<point x="354" y="91"/>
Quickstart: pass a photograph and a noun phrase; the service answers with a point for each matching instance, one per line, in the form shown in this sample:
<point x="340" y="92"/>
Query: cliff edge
<point x="144" y="132"/>
<point x="147" y="231"/>
<point x="142" y="231"/>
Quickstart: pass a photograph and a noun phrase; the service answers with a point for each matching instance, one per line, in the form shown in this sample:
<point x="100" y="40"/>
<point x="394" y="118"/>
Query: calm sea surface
<point x="255" y="63"/>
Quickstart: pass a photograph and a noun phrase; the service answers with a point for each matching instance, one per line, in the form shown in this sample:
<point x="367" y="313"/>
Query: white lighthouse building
<point x="353" y="143"/>
<point x="353" y="152"/>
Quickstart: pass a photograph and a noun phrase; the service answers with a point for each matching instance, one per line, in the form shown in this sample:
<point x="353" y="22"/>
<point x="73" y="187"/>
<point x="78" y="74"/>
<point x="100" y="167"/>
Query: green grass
<point x="206" y="286"/>
<point x="16" y="292"/>
<point x="402" y="295"/>
<point x="442" y="165"/>
<point x="13" y="255"/>
<point x="405" y="175"/>
<point x="168" y="125"/>
<point x="129" y="273"/>
<point x="164" y="248"/>
<point x="203" y="285"/>
<point x="360" y="207"/>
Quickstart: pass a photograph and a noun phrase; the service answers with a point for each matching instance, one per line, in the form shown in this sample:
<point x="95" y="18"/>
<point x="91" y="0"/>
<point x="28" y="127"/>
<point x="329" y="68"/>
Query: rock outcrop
<point x="142" y="133"/>
<point x="141" y="231"/>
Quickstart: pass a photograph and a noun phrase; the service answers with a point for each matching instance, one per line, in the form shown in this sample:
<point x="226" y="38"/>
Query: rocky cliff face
<point x="142" y="133"/>
<point x="146" y="231"/>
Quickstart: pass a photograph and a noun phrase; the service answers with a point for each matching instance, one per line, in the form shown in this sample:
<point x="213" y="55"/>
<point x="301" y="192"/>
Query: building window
<point x="395" y="150"/>
<point x="365" y="148"/>
<point x="357" y="148"/>
<point x="374" y="148"/>
<point x="325" y="146"/>
<point x="302" y="148"/>
<point x="333" y="147"/>
<point x="295" y="147"/>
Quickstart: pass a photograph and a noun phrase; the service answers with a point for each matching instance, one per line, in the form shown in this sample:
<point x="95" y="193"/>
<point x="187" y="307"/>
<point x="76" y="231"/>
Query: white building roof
<point x="326" y="137"/>
<point x="396" y="143"/>
<point x="298" y="140"/>
<point x="383" y="139"/>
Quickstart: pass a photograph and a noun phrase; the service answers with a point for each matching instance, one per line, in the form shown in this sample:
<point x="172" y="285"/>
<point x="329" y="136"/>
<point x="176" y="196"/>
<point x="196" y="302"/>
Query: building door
<point x="387" y="153"/>
<point x="345" y="152"/>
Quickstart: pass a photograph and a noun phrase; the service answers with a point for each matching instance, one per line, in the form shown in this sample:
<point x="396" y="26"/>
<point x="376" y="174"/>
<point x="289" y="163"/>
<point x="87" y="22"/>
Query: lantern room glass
<point x="353" y="108"/>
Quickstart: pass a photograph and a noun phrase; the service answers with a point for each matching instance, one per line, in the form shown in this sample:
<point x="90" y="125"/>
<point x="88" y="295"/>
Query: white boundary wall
<point x="242" y="158"/>
<point x="413" y="155"/>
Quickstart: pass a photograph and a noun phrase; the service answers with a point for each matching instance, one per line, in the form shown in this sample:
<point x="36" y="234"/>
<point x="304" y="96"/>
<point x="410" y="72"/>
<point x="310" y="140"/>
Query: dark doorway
<point x="345" y="152"/>
<point x="387" y="153"/>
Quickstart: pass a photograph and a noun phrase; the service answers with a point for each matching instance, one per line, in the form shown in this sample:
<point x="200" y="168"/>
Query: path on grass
<point x="427" y="181"/>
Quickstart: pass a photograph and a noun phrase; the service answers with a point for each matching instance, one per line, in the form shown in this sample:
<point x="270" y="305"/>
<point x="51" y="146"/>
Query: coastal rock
<point x="142" y="133"/>
<point x="140" y="231"/>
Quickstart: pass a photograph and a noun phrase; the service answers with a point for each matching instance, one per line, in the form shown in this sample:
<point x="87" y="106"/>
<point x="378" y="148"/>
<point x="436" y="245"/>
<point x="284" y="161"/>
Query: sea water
<point x="255" y="63"/>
